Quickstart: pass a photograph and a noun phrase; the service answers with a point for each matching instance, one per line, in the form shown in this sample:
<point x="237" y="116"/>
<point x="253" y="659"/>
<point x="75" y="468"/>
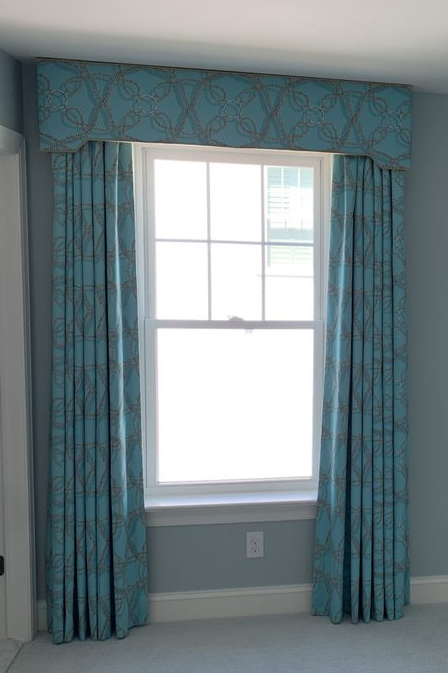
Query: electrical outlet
<point x="255" y="545"/>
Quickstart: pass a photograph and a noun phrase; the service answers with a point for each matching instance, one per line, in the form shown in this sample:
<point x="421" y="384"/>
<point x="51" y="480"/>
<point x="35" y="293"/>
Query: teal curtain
<point x="361" y="552"/>
<point x="96" y="537"/>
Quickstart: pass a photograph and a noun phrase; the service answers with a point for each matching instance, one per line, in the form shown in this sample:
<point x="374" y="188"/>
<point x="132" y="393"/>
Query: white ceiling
<point x="385" y="40"/>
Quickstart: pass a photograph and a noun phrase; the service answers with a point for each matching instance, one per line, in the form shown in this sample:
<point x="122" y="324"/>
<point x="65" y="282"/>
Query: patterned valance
<point x="81" y="101"/>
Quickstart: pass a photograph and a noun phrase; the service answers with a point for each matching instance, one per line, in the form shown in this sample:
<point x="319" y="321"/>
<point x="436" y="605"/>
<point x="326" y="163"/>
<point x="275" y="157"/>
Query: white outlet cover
<point x="255" y="544"/>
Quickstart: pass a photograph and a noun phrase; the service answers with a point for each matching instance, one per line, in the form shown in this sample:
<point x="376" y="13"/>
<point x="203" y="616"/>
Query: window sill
<point x="230" y="508"/>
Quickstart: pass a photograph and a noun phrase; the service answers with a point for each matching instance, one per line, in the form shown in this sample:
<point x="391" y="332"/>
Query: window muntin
<point x="247" y="277"/>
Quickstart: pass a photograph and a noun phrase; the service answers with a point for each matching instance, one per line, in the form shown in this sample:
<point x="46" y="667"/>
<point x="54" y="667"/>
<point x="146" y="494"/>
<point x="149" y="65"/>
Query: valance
<point x="81" y="101"/>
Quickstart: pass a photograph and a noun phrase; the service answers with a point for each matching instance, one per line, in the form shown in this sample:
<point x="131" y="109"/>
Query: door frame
<point x="15" y="392"/>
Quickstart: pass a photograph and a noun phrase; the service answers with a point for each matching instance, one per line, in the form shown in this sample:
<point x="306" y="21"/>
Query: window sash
<point x="145" y="155"/>
<point x="150" y="409"/>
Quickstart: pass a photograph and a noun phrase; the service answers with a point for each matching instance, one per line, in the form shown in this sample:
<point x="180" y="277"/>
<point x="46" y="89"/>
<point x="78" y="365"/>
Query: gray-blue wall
<point x="40" y="206"/>
<point x="10" y="93"/>
<point x="213" y="556"/>
<point x="427" y="279"/>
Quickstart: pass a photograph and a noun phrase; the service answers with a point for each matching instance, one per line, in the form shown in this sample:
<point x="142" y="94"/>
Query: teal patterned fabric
<point x="361" y="553"/>
<point x="80" y="101"/>
<point x="96" y="541"/>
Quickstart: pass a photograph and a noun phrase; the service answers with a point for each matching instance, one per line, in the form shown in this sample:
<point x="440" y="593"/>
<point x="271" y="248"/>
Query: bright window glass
<point x="180" y="199"/>
<point x="241" y="400"/>
<point x="181" y="280"/>
<point x="236" y="288"/>
<point x="231" y="308"/>
<point x="235" y="203"/>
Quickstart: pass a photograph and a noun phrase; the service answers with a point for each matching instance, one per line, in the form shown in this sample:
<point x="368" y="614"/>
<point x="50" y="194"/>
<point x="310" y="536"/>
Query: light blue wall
<point x="211" y="557"/>
<point x="10" y="93"/>
<point x="427" y="257"/>
<point x="40" y="194"/>
<point x="191" y="558"/>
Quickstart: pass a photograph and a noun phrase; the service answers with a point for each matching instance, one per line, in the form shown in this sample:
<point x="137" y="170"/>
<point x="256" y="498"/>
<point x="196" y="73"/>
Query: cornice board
<point x="81" y="101"/>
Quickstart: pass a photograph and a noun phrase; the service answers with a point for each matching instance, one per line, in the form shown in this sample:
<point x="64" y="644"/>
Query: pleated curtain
<point x="361" y="552"/>
<point x="96" y="536"/>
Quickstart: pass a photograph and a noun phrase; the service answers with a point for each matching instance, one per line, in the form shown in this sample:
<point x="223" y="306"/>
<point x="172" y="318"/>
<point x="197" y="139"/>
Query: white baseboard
<point x="230" y="603"/>
<point x="184" y="605"/>
<point x="255" y="601"/>
<point x="432" y="589"/>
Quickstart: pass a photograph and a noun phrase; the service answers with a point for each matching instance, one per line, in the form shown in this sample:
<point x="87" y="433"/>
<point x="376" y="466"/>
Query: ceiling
<point x="403" y="41"/>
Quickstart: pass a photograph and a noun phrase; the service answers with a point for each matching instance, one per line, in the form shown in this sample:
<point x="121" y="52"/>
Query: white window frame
<point x="229" y="492"/>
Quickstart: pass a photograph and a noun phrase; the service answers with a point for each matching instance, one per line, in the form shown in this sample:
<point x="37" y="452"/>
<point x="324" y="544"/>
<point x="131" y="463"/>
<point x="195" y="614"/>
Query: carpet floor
<point x="8" y="650"/>
<point x="418" y="643"/>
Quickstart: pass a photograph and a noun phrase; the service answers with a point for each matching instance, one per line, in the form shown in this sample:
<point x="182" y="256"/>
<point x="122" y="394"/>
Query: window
<point x="231" y="281"/>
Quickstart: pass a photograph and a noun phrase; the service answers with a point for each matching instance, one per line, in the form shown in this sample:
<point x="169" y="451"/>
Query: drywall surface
<point x="40" y="206"/>
<point x="194" y="558"/>
<point x="10" y="93"/>
<point x="426" y="218"/>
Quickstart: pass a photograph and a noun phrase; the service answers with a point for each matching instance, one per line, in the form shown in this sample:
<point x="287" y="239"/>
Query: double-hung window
<point x="231" y="249"/>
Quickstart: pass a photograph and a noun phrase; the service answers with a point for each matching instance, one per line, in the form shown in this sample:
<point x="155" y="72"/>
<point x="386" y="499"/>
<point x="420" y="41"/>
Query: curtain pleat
<point x="361" y="563"/>
<point x="96" y="534"/>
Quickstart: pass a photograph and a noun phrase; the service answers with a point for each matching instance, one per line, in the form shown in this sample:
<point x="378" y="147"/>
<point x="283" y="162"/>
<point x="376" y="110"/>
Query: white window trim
<point x="230" y="502"/>
<point x="221" y="508"/>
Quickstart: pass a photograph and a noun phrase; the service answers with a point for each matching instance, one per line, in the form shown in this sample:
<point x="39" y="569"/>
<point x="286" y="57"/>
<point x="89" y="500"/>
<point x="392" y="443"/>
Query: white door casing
<point x="15" y="402"/>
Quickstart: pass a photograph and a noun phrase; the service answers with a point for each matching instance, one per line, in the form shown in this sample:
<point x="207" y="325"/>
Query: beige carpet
<point x="281" y="644"/>
<point x="8" y="651"/>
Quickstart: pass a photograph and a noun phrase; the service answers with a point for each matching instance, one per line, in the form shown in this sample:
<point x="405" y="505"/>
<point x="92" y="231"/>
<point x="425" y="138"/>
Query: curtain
<point x="361" y="551"/>
<point x="96" y="536"/>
